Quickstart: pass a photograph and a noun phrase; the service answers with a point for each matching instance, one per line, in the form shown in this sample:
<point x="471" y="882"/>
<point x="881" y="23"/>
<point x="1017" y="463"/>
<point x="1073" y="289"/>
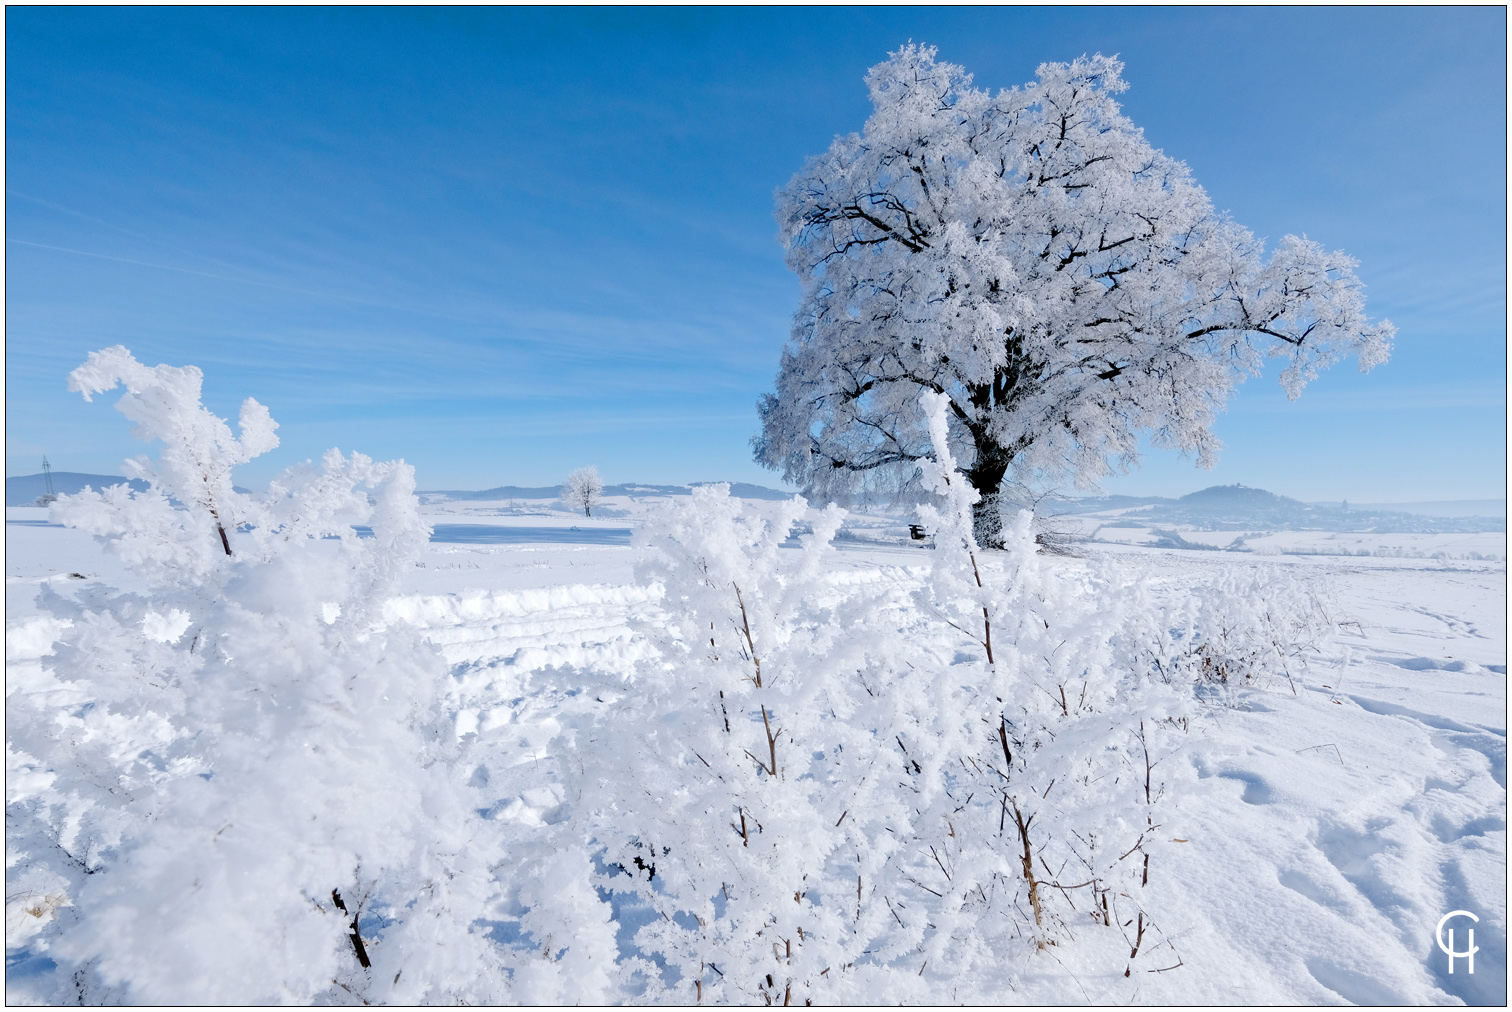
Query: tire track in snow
<point x="488" y="637"/>
<point x="502" y="647"/>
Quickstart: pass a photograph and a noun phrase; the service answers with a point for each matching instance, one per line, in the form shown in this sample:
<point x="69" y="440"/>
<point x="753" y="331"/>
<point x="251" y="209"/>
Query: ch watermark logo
<point x="1447" y="947"/>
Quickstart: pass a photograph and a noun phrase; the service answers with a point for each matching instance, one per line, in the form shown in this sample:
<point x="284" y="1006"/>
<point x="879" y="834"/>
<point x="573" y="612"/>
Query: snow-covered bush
<point x="583" y="489"/>
<point x="236" y="780"/>
<point x="1047" y="738"/>
<point x="1244" y="628"/>
<point x="1259" y="626"/>
<point x="744" y="784"/>
<point x="234" y="783"/>
<point x="818" y="788"/>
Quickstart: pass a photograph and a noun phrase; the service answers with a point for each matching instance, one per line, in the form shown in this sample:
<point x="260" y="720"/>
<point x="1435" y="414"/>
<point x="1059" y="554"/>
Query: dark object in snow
<point x="357" y="946"/>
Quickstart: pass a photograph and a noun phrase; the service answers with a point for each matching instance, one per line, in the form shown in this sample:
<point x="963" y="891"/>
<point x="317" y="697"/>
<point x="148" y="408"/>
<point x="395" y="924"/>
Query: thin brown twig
<point x="1028" y="862"/>
<point x="771" y="738"/>
<point x="746" y="625"/>
<point x="986" y="619"/>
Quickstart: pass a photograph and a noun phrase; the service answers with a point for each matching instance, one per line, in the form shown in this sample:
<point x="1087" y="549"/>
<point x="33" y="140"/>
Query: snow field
<point x="1325" y="833"/>
<point x="1489" y="546"/>
<point x="1320" y="835"/>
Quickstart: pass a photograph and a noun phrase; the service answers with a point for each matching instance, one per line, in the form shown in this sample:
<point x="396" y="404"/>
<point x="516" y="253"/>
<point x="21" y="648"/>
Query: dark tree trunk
<point x="986" y="475"/>
<point x="992" y="460"/>
<point x="986" y="524"/>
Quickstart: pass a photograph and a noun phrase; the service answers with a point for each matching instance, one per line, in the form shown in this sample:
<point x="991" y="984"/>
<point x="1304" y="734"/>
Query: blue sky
<point x="502" y="244"/>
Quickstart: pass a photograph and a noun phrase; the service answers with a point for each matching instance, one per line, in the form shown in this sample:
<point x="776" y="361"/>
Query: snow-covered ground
<point x="1488" y="546"/>
<point x="1318" y="832"/>
<point x="1236" y="518"/>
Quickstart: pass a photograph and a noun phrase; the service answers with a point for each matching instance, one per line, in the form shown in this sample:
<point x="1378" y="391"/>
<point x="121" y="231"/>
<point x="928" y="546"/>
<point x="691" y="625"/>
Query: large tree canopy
<point x="1030" y="256"/>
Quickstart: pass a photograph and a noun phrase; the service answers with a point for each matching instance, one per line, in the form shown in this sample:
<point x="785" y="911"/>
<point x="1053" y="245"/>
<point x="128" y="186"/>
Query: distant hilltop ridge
<point x="1240" y="507"/>
<point x="1221" y="496"/>
<point x="24" y="490"/>
<point x="1232" y="495"/>
<point x="1219" y="507"/>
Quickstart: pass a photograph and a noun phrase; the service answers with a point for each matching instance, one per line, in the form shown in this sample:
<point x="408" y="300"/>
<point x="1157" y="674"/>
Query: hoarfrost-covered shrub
<point x="743" y="784"/>
<point x="238" y="780"/>
<point x="819" y="788"/>
<point x="802" y="781"/>
<point x="1255" y="627"/>
<point x="1052" y="807"/>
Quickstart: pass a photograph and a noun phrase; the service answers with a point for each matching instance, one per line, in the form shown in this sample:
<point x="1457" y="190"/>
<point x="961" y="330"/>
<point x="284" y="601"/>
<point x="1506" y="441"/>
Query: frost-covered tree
<point x="194" y="468"/>
<point x="583" y="489"/>
<point x="1030" y="256"/>
<point x="234" y="783"/>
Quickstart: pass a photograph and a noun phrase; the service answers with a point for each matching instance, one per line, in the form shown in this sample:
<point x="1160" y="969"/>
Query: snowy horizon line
<point x="517" y="491"/>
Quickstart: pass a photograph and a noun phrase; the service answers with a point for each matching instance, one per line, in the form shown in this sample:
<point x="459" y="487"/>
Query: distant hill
<point x="1217" y="508"/>
<point x="502" y="492"/>
<point x="1239" y="507"/>
<point x="743" y="490"/>
<point x="24" y="490"/>
<point x="1237" y="496"/>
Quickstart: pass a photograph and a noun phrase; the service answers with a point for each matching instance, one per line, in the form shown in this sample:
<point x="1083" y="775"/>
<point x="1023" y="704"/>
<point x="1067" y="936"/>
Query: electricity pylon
<point x="47" y="497"/>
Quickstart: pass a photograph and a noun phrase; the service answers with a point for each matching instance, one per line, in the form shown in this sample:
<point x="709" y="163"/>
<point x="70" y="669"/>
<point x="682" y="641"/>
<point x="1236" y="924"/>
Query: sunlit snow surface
<point x="1325" y="832"/>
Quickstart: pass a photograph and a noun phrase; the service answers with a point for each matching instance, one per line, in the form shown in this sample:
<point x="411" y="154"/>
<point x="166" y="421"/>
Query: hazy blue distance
<point x="502" y="244"/>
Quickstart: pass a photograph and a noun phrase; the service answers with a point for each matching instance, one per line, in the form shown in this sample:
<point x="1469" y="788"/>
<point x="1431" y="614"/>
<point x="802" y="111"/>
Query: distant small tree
<point x="583" y="489"/>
